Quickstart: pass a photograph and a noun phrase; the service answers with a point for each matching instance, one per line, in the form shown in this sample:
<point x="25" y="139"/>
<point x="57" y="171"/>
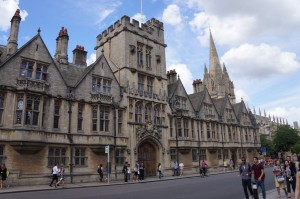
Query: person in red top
<point x="259" y="175"/>
<point x="203" y="167"/>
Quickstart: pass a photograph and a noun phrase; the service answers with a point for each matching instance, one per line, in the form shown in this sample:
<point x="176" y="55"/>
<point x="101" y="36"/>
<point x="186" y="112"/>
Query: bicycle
<point x="203" y="172"/>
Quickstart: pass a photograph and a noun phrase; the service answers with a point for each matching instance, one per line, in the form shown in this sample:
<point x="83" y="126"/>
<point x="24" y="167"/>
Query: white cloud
<point x="103" y="14"/>
<point x="225" y="31"/>
<point x="241" y="94"/>
<point x="235" y="21"/>
<point x="185" y="75"/>
<point x="139" y="17"/>
<point x="291" y="114"/>
<point x="7" y="10"/>
<point x="91" y="59"/>
<point x="94" y="8"/>
<point x="260" y="61"/>
<point x="172" y="15"/>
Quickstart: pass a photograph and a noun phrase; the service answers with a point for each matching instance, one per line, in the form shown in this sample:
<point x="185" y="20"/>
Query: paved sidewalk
<point x="271" y="194"/>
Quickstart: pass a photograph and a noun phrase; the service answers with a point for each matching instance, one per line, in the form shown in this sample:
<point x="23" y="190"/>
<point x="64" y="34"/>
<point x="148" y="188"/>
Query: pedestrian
<point x="288" y="177"/>
<point x="159" y="169"/>
<point x="293" y="172"/>
<point x="245" y="173"/>
<point x="55" y="171"/>
<point x="128" y="172"/>
<point x="203" y="167"/>
<point x="142" y="171"/>
<point x="231" y="164"/>
<point x="259" y="175"/>
<point x="3" y="175"/>
<point x="100" y="172"/>
<point x="124" y="171"/>
<point x="135" y="174"/>
<point x="279" y="178"/>
<point x="297" y="191"/>
<point x="181" y="165"/>
<point x="137" y="165"/>
<point x="61" y="176"/>
<point x="175" y="168"/>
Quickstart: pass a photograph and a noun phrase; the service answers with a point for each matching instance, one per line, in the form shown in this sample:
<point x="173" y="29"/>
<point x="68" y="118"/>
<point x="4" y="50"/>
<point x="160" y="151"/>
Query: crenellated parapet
<point x="151" y="30"/>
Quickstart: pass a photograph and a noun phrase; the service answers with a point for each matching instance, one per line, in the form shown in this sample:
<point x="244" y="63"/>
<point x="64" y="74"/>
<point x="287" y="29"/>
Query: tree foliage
<point x="268" y="144"/>
<point x="296" y="148"/>
<point x="285" y="138"/>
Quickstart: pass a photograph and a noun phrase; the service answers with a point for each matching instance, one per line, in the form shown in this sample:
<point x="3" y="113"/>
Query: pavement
<point x="271" y="194"/>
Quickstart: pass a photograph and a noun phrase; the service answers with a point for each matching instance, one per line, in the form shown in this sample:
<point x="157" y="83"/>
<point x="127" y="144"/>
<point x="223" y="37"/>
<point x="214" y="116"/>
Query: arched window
<point x="138" y="112"/>
<point x="147" y="112"/>
<point x="157" y="115"/>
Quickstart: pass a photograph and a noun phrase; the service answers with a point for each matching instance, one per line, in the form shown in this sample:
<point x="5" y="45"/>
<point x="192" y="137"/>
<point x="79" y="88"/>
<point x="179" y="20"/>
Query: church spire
<point x="214" y="63"/>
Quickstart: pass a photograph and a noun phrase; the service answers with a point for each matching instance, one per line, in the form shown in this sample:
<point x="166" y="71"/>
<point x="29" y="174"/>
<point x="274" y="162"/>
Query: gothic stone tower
<point x="136" y="54"/>
<point x="217" y="80"/>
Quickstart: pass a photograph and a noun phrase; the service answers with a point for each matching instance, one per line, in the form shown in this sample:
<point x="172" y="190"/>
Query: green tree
<point x="268" y="144"/>
<point x="296" y="148"/>
<point x="285" y="138"/>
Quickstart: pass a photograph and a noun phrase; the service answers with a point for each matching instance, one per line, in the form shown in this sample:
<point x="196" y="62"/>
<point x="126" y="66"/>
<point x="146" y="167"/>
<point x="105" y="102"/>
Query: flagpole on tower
<point x="142" y="10"/>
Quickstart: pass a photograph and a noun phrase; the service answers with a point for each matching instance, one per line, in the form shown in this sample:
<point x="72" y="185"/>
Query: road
<point x="220" y="186"/>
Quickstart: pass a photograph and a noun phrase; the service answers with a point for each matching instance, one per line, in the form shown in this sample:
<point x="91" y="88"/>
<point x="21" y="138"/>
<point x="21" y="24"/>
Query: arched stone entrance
<point x="147" y="153"/>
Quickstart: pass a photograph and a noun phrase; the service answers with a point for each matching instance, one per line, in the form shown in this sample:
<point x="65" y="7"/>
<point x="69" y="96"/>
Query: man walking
<point x="259" y="176"/>
<point x="245" y="173"/>
<point x="55" y="171"/>
<point x="175" y="168"/>
<point x="181" y="165"/>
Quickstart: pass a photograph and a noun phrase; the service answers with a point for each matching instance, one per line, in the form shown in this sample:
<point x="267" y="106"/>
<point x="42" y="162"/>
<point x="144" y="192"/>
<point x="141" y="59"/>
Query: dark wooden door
<point x="147" y="155"/>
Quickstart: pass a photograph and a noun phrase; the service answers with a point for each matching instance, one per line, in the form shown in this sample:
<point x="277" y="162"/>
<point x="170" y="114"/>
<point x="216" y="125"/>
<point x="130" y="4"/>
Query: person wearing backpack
<point x="245" y="173"/>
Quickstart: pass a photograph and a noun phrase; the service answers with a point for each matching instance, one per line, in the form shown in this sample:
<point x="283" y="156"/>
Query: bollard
<point x="255" y="191"/>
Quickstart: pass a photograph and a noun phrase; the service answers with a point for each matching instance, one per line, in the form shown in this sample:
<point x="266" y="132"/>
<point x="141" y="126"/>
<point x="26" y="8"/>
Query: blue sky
<point x="257" y="40"/>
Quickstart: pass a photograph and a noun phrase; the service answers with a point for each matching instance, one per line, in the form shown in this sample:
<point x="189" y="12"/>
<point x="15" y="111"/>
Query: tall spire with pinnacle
<point x="214" y="63"/>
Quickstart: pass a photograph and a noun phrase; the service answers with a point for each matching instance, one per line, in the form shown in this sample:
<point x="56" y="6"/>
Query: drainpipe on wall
<point x="115" y="141"/>
<point x="70" y="137"/>
<point x="199" y="140"/>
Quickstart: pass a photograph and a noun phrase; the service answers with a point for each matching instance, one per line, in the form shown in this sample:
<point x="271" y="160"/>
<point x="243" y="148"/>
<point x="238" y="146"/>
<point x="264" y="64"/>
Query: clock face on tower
<point x="20" y="104"/>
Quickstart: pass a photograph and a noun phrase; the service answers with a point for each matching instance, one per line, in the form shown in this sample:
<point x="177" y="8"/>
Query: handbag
<point x="280" y="178"/>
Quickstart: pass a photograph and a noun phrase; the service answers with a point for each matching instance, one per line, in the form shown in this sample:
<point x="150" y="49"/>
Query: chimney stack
<point x="61" y="54"/>
<point x="172" y="76"/>
<point x="12" y="42"/>
<point x="79" y="56"/>
<point x="198" y="86"/>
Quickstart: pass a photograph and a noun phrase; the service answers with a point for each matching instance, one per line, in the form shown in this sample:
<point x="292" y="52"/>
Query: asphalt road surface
<point x="222" y="186"/>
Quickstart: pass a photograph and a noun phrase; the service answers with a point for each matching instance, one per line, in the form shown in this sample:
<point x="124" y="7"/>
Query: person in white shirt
<point x="181" y="165"/>
<point x="55" y="172"/>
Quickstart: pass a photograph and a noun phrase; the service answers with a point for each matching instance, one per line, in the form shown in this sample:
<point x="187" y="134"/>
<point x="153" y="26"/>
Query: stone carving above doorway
<point x="147" y="130"/>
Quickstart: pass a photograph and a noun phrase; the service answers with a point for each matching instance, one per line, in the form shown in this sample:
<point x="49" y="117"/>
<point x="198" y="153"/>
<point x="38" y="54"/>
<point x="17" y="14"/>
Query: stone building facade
<point x="56" y="111"/>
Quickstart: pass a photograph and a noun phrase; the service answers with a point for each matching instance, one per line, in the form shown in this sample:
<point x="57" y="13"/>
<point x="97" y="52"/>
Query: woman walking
<point x="288" y="177"/>
<point x="279" y="178"/>
<point x="159" y="169"/>
<point x="62" y="175"/>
